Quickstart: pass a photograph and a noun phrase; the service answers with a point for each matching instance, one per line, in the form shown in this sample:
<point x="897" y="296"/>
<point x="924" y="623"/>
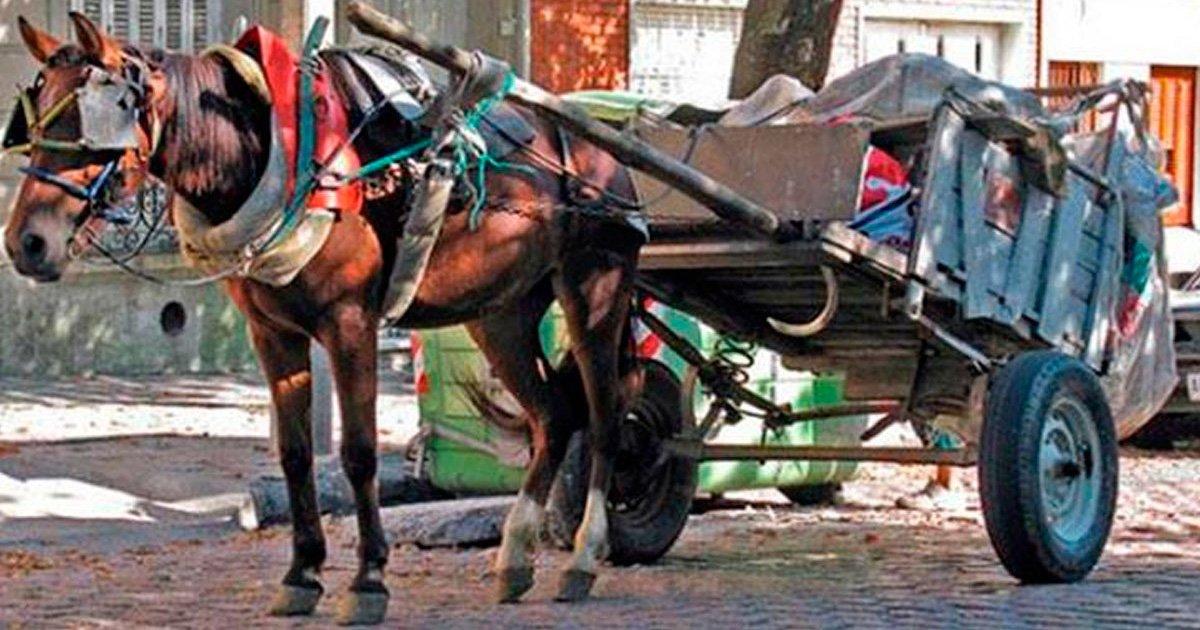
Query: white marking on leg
<point x="591" y="540"/>
<point x="520" y="533"/>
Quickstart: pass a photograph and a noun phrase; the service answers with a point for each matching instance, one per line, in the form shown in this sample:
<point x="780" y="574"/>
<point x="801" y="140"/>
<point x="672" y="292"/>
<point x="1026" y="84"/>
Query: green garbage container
<point x="463" y="453"/>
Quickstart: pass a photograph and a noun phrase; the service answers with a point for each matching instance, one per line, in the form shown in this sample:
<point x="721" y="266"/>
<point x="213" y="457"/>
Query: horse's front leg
<point x="284" y="359"/>
<point x="350" y="336"/>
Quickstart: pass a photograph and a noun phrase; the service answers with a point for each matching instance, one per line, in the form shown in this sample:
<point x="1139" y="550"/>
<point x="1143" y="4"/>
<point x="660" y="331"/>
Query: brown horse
<point x="498" y="279"/>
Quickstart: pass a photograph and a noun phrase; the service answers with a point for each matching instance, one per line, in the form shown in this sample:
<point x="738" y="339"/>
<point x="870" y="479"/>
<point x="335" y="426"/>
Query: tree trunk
<point x="793" y="37"/>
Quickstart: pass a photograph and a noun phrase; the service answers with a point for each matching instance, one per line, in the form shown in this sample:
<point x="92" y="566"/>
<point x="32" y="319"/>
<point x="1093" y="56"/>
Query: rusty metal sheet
<point x="798" y="172"/>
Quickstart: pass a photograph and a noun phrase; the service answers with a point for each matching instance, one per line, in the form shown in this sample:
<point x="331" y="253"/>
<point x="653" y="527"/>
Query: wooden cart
<point x="993" y="328"/>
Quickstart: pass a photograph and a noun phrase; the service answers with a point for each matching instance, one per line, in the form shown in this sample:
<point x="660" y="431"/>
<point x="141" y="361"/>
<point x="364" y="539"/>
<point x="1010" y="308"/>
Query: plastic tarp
<point x="908" y="87"/>
<point x="1142" y="365"/>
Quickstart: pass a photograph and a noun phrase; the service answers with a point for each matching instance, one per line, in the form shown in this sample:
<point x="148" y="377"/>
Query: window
<point x="182" y="25"/>
<point x="684" y="51"/>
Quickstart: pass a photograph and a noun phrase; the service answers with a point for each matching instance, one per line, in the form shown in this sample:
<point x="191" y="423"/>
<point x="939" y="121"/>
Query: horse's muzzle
<point x="34" y="258"/>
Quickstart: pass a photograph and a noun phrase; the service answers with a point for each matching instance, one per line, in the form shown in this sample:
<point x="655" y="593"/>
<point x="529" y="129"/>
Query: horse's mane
<point x="214" y="140"/>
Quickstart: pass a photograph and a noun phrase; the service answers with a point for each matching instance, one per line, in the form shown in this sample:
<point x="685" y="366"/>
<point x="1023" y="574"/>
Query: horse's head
<point x="89" y="126"/>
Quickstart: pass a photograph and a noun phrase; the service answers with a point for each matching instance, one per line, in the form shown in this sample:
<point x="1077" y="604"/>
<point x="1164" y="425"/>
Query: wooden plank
<point x="729" y="254"/>
<point x="1002" y="217"/>
<point x="1025" y="265"/>
<point x="939" y="204"/>
<point x="973" y="204"/>
<point x="800" y="172"/>
<point x="1061" y="258"/>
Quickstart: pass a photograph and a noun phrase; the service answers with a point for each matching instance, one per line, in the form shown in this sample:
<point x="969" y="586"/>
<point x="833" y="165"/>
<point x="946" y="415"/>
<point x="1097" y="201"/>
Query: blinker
<point x="108" y="113"/>
<point x="16" y="130"/>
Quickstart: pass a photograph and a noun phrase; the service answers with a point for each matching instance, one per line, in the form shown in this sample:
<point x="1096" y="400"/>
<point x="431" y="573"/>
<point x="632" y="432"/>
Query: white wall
<point x="1143" y="32"/>
<point x="1017" y="18"/>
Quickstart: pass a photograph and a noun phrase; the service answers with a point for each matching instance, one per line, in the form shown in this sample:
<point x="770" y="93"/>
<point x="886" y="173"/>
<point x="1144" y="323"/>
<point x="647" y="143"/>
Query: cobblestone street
<point x="759" y="563"/>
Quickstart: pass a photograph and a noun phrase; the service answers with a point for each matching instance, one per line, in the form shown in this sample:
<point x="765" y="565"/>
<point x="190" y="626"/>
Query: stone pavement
<point x="107" y="463"/>
<point x="764" y="564"/>
<point x="214" y="405"/>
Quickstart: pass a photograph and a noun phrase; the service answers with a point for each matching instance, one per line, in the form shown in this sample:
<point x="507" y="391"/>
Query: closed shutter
<point x="174" y="18"/>
<point x="976" y="47"/>
<point x="148" y="31"/>
<point x="178" y="25"/>
<point x="121" y="20"/>
<point x="199" y="28"/>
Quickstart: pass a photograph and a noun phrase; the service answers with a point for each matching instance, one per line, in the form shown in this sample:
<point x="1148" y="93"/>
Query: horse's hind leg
<point x="349" y="333"/>
<point x="513" y="347"/>
<point x="284" y="359"/>
<point x="595" y="288"/>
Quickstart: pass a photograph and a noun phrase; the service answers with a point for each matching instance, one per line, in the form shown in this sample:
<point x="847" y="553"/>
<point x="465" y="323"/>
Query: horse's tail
<point x="568" y="383"/>
<point x="490" y="410"/>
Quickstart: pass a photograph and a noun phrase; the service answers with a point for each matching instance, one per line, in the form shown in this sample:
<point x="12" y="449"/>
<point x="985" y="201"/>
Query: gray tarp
<point x="906" y="87"/>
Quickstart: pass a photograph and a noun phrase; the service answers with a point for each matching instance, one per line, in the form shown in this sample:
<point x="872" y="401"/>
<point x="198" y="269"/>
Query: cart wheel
<point x="651" y="493"/>
<point x="819" y="494"/>
<point x="1048" y="468"/>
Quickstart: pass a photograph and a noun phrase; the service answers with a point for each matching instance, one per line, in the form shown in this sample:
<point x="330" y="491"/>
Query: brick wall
<point x="579" y="44"/>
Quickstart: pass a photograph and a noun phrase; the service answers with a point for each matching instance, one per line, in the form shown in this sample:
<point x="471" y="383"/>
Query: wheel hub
<point x="1069" y="484"/>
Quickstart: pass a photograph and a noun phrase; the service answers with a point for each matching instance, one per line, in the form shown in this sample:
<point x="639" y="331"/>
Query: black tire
<point x="651" y="494"/>
<point x="1048" y="517"/>
<point x="819" y="494"/>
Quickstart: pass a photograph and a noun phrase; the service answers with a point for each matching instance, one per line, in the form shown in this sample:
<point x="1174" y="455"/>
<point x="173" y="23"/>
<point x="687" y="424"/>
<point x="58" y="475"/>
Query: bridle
<point x="115" y="114"/>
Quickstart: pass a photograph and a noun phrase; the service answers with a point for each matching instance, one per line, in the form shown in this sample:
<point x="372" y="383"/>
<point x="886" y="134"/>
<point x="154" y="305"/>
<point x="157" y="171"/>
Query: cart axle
<point x="751" y="452"/>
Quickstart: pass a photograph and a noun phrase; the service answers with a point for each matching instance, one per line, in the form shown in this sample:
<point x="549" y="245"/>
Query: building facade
<point x="1090" y="41"/>
<point x="684" y="48"/>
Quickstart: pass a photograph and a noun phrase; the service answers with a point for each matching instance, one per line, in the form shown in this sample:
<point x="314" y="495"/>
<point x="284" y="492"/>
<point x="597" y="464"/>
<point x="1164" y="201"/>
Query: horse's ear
<point x="40" y="43"/>
<point x="95" y="42"/>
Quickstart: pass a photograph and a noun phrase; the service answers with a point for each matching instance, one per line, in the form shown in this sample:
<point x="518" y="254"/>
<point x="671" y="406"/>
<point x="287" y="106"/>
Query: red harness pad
<point x="282" y="70"/>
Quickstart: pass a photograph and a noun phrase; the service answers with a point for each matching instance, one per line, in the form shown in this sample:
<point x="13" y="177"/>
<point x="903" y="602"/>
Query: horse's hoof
<point x="512" y="583"/>
<point x="362" y="608"/>
<point x="294" y="600"/>
<point x="575" y="586"/>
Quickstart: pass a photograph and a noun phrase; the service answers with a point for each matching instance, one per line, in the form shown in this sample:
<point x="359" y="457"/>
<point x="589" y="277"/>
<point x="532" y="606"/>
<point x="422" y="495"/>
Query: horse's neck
<point x="215" y="137"/>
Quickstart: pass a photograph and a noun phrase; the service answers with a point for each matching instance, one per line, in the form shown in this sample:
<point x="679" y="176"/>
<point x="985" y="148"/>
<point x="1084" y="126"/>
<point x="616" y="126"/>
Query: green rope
<point x="486" y="160"/>
<point x="402" y="154"/>
<point x="464" y="158"/>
